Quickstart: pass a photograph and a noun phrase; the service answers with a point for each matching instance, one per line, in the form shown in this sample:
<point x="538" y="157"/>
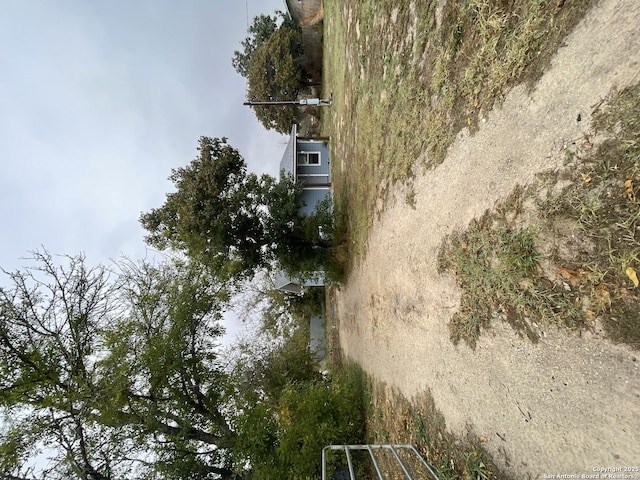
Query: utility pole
<point x="316" y="102"/>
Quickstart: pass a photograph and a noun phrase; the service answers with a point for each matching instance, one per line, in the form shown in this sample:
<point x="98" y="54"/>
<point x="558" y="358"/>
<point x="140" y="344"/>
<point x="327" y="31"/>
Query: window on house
<point x="308" y="158"/>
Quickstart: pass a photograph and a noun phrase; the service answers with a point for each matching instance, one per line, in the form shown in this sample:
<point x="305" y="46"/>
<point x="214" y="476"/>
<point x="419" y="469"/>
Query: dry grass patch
<point x="572" y="256"/>
<point x="407" y="77"/>
<point x="393" y="419"/>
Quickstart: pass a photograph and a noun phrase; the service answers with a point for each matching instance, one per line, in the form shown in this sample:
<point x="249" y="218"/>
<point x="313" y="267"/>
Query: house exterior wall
<point x="295" y="10"/>
<point x="313" y="174"/>
<point x="288" y="284"/>
<point x="309" y="198"/>
<point x="314" y="146"/>
<point x="316" y="178"/>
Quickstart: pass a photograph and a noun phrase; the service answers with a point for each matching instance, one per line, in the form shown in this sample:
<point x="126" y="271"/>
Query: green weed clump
<point x="589" y="231"/>
<point x="603" y="203"/>
<point x="495" y="265"/>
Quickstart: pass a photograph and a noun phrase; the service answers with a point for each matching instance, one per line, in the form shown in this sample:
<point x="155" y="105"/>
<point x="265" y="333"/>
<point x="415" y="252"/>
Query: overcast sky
<point x="99" y="99"/>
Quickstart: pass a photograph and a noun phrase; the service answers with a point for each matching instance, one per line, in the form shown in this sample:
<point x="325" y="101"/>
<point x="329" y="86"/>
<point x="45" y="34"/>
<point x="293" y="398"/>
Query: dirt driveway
<point x="565" y="405"/>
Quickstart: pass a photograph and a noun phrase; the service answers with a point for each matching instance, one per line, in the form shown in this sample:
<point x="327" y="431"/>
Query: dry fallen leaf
<point x="633" y="276"/>
<point x="624" y="293"/>
<point x="571" y="276"/>
<point x="628" y="192"/>
<point x="601" y="297"/>
<point x="590" y="314"/>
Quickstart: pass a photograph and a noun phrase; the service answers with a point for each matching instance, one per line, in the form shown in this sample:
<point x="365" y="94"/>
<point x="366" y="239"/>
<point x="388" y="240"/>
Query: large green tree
<point x="116" y="373"/>
<point x="275" y="70"/>
<point x="294" y="412"/>
<point x="260" y="31"/>
<point x="234" y="221"/>
<point x="276" y="73"/>
<point x="214" y="215"/>
<point x="272" y="61"/>
<point x="296" y="245"/>
<point x="113" y="372"/>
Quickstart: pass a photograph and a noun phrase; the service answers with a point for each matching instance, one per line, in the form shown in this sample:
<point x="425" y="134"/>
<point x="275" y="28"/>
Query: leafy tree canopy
<point x="295" y="412"/>
<point x="214" y="215"/>
<point x="271" y="60"/>
<point x="116" y="373"/>
<point x="113" y="371"/>
<point x="232" y="221"/>
<point x="275" y="70"/>
<point x="261" y="29"/>
<point x="276" y="73"/>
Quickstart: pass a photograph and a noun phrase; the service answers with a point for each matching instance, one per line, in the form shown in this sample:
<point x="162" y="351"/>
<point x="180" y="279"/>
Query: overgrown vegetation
<point x="602" y="202"/>
<point x="495" y="264"/>
<point x="286" y="429"/>
<point x="119" y="373"/>
<point x="391" y="418"/>
<point x="566" y="255"/>
<point x="406" y="78"/>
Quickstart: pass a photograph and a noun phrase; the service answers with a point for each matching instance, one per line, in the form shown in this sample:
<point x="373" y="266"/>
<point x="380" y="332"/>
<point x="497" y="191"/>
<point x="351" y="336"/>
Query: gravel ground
<point x="565" y="405"/>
